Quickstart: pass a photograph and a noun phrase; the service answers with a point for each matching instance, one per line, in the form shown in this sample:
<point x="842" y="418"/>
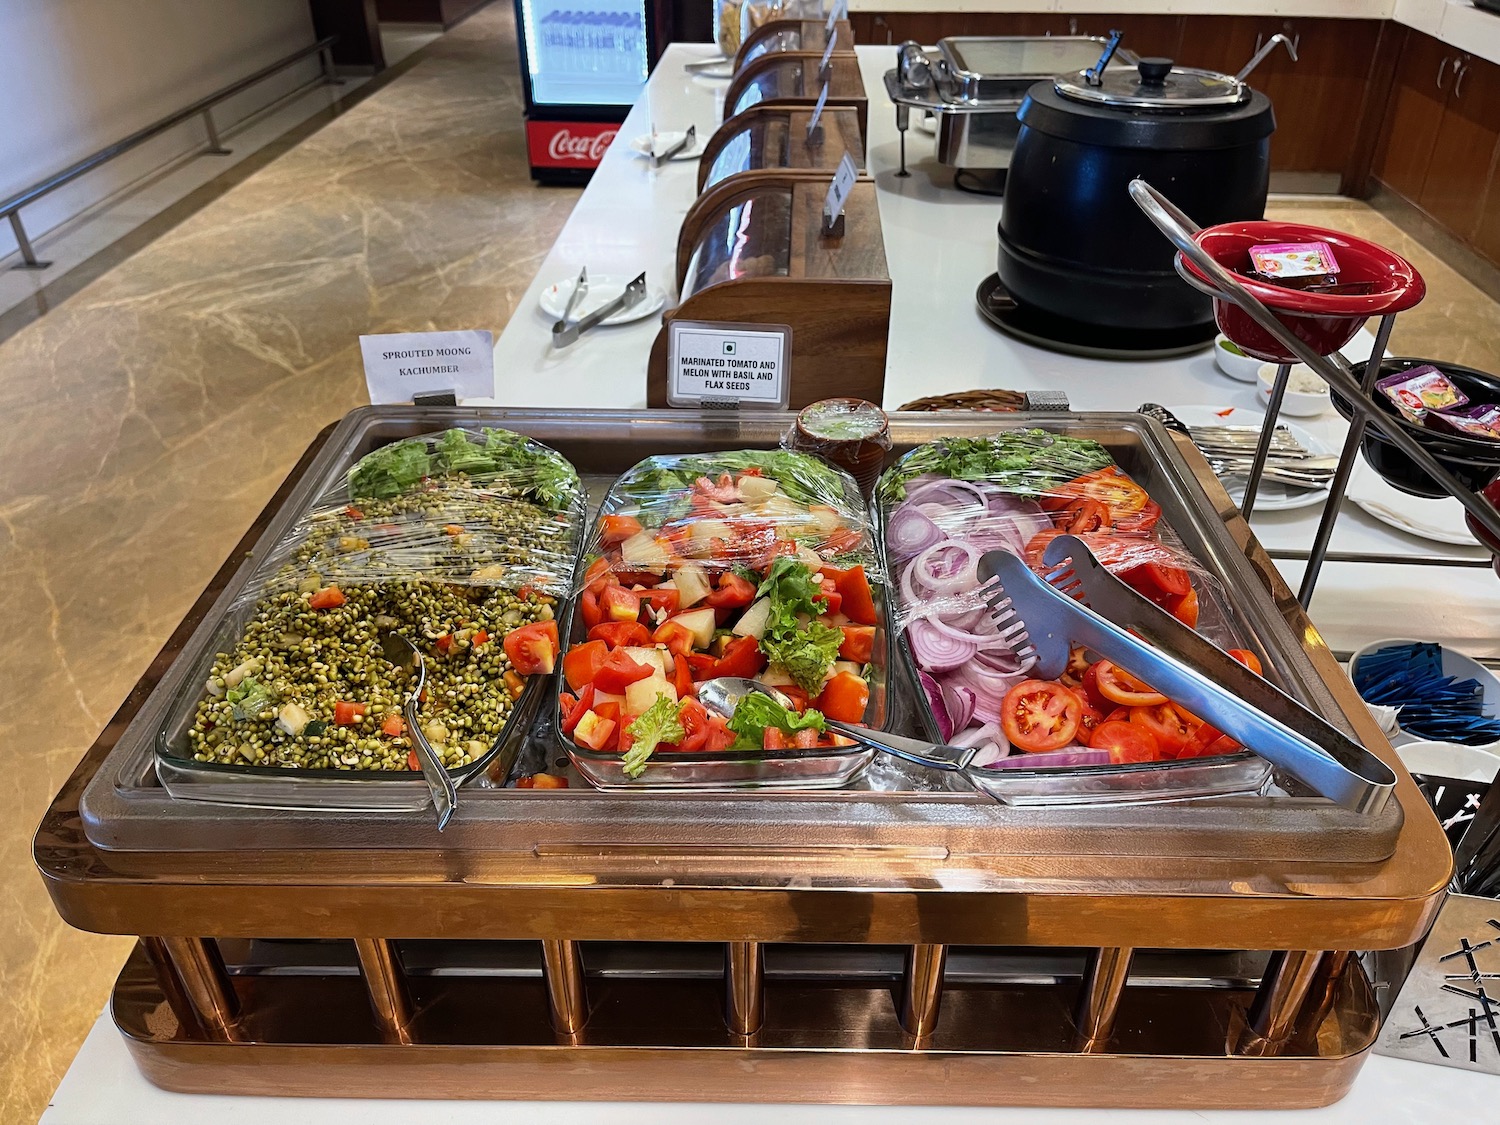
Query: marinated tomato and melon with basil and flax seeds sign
<point x="461" y="542"/>
<point x="945" y="504"/>
<point x="755" y="564"/>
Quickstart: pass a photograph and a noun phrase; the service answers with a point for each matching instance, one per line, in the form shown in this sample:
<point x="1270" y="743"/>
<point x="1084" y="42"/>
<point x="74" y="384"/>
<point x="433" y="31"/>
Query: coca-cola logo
<point x="585" y="149"/>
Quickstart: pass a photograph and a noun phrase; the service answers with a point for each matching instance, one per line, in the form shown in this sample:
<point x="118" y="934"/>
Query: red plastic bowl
<point x="1490" y="492"/>
<point x="1324" y="322"/>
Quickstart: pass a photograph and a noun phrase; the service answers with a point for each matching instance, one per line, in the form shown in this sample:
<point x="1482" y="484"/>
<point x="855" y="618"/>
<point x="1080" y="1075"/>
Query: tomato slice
<point x="1158" y="580"/>
<point x="1248" y="659"/>
<point x="859" y="643"/>
<point x="805" y="739"/>
<point x="682" y="677"/>
<point x="618" y="673"/>
<point x="1038" y="545"/>
<point x="619" y="604"/>
<point x="1185" y="609"/>
<point x="621" y="634"/>
<point x="580" y="708"/>
<point x="1084" y="515"/>
<point x="329" y="597"/>
<point x="701" y="664"/>
<point x="588" y="608"/>
<point x="1109" y="486"/>
<point x="677" y="638"/>
<point x="773" y="738"/>
<point x="617" y="529"/>
<point x="844" y="698"/>
<point x="1039" y="715"/>
<point x="1078" y="666"/>
<point x="1088" y="687"/>
<point x="720" y="737"/>
<point x="1119" y="686"/>
<point x="734" y="592"/>
<point x="582" y="663"/>
<point x="1126" y="742"/>
<point x="798" y="697"/>
<point x="346" y="714"/>
<point x="532" y="649"/>
<point x="742" y="657"/>
<point x="831" y="600"/>
<point x="1172" y="728"/>
<point x="663" y="601"/>
<point x="598" y="576"/>
<point x="1139" y="523"/>
<point x="859" y="603"/>
<point x="1089" y="720"/>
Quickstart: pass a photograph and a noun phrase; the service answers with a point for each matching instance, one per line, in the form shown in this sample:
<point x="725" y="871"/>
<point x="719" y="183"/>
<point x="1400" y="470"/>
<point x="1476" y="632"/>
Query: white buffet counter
<point x="940" y="243"/>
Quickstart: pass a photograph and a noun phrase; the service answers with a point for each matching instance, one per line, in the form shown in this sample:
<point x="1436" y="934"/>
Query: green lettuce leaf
<point x="657" y="724"/>
<point x="757" y="711"/>
<point x="806" y="654"/>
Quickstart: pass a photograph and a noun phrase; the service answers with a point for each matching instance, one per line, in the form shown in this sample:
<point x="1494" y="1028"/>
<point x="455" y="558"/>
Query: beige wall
<point x="76" y="75"/>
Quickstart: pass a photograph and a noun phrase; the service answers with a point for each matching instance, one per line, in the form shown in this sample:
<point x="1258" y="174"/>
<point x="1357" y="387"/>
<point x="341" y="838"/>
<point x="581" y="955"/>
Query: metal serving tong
<point x="564" y="334"/>
<point x="402" y="653"/>
<point x="657" y="160"/>
<point x="1050" y="615"/>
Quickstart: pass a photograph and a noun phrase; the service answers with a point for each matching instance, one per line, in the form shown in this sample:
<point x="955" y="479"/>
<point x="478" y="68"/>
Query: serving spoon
<point x="403" y="654"/>
<point x="723" y="695"/>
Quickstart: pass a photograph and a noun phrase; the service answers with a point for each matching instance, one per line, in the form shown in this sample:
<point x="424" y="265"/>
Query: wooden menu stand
<point x="768" y="124"/>
<point x="834" y="292"/>
<point x="780" y="36"/>
<point x="791" y="78"/>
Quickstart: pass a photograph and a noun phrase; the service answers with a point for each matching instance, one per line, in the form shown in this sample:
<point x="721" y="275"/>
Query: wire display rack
<point x="1333" y="370"/>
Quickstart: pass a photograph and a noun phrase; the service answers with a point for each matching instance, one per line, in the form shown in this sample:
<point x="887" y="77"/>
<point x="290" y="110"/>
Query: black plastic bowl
<point x="1472" y="460"/>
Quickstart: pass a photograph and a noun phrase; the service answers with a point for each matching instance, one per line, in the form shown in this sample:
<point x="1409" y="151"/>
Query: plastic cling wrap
<point x="756" y="564"/>
<point x="944" y="505"/>
<point x="462" y="542"/>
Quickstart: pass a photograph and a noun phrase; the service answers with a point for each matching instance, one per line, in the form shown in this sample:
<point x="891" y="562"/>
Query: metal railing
<point x="11" y="208"/>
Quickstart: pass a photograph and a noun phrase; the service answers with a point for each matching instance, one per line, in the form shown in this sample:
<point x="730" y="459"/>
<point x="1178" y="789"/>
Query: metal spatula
<point x="1050" y="617"/>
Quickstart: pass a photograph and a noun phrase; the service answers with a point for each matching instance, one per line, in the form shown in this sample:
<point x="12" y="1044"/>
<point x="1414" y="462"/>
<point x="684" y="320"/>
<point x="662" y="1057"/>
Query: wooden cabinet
<point x="1463" y="152"/>
<point x="1441" y="136"/>
<point x="1413" y="114"/>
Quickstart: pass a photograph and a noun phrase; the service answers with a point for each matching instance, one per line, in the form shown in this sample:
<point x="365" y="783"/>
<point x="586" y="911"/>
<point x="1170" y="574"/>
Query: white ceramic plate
<point x="1271" y="497"/>
<point x="1439" y="520"/>
<point x="641" y="146"/>
<point x="603" y="288"/>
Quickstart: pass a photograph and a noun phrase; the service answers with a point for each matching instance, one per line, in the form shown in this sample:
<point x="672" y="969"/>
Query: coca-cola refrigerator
<point x="584" y="63"/>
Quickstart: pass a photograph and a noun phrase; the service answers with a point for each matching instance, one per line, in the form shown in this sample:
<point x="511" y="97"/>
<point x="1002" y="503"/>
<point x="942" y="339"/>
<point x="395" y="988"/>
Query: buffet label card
<point x="838" y="191"/>
<point x="817" y="114"/>
<point x="833" y="41"/>
<point x="728" y="365"/>
<point x="400" y="366"/>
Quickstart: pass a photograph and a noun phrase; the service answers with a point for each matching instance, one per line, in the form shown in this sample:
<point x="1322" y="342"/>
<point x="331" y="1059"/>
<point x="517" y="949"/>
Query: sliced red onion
<point x="989" y="754"/>
<point x="937" y="705"/>
<point x="938" y="650"/>
<point x="1055" y="759"/>
<point x="959" y="701"/>
<point x="912" y="530"/>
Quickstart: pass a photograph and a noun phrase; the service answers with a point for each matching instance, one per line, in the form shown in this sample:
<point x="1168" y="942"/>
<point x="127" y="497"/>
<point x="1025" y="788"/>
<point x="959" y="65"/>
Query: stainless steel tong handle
<point x="915" y="750"/>
<point x="634" y="294"/>
<point x="1215" y="687"/>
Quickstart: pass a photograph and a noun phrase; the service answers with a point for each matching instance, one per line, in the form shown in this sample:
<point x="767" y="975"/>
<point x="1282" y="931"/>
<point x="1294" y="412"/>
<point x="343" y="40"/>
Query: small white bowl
<point x="1299" y="404"/>
<point x="1455" y="664"/>
<point x="1450" y="759"/>
<point x="1234" y="364"/>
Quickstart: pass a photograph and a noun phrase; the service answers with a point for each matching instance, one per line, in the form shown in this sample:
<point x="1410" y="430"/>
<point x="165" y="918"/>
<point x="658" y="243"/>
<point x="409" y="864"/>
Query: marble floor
<point x="145" y="420"/>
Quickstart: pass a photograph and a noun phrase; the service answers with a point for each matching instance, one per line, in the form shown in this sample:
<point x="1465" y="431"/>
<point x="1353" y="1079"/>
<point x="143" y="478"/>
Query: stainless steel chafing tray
<point x="124" y="809"/>
<point x="973" y="85"/>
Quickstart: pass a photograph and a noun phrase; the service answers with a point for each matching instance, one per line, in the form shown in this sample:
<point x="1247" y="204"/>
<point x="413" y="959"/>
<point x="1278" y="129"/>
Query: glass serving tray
<point x="890" y="808"/>
<point x="736" y="769"/>
<point x="353" y="790"/>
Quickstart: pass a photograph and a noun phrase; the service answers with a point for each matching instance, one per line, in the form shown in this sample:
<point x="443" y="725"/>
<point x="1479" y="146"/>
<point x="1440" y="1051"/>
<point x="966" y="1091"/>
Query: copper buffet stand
<point x="1108" y="1036"/>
